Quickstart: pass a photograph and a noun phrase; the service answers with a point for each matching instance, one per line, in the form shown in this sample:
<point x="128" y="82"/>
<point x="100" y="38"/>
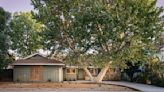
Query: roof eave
<point x="38" y="64"/>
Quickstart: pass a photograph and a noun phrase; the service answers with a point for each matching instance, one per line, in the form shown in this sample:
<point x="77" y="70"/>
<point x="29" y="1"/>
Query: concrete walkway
<point x="137" y="86"/>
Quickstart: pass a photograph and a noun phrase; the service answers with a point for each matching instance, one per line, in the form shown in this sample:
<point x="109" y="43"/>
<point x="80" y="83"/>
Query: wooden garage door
<point x="36" y="73"/>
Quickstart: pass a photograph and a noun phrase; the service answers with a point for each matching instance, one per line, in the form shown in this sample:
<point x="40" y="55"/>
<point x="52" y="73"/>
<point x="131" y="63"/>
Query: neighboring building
<point x="37" y="68"/>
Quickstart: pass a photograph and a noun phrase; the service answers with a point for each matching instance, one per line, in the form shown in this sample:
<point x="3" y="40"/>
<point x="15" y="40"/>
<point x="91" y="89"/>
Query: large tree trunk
<point x="86" y="70"/>
<point x="102" y="74"/>
<point x="88" y="73"/>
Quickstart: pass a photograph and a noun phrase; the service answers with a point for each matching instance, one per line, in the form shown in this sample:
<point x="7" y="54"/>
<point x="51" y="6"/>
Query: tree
<point x="25" y="34"/>
<point x="4" y="39"/>
<point x="119" y="31"/>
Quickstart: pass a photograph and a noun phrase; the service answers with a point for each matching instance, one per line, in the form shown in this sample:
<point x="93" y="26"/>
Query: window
<point x="71" y="70"/>
<point x="68" y="70"/>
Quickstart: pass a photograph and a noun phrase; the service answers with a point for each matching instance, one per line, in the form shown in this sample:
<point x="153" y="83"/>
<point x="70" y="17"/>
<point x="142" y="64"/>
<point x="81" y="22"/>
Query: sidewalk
<point x="138" y="86"/>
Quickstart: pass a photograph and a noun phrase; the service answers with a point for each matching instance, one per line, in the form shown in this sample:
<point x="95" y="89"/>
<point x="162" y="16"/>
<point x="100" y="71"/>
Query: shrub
<point x="153" y="74"/>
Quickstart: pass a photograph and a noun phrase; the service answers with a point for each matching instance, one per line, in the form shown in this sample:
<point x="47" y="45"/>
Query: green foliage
<point x="117" y="30"/>
<point x="152" y="74"/>
<point x="25" y="34"/>
<point x="5" y="60"/>
<point x="4" y="38"/>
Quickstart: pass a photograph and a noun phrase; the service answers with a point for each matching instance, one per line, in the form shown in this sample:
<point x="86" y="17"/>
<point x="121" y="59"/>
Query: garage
<point x="37" y="68"/>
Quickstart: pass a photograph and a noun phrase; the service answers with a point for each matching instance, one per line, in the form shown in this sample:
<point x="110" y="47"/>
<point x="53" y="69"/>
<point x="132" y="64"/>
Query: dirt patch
<point x="66" y="86"/>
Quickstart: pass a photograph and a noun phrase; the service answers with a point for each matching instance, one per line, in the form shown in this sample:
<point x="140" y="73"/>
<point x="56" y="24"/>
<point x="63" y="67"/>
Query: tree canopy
<point x="25" y="34"/>
<point x="112" y="31"/>
<point x="4" y="39"/>
<point x="118" y="30"/>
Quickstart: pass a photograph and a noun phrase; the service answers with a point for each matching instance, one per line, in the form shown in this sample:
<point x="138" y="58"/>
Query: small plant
<point x="49" y="80"/>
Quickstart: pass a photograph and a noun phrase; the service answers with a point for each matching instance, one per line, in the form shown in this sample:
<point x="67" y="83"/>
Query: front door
<point x="80" y="74"/>
<point x="36" y="73"/>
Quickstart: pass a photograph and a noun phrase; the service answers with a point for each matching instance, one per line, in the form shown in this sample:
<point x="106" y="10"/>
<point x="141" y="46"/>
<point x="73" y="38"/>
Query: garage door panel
<point x="36" y="73"/>
<point x="51" y="73"/>
<point x="21" y="73"/>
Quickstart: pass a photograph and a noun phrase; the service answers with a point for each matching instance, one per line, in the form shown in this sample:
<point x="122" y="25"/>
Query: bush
<point x="158" y="82"/>
<point x="125" y="77"/>
<point x="153" y="74"/>
<point x="139" y="77"/>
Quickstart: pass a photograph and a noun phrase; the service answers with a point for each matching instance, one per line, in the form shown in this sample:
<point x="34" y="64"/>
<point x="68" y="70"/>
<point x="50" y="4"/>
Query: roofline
<point x="38" y="64"/>
<point x="34" y="55"/>
<point x="69" y="66"/>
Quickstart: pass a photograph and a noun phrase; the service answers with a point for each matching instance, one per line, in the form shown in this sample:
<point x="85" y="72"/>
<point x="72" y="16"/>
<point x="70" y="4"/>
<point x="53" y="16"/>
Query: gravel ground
<point x="62" y="87"/>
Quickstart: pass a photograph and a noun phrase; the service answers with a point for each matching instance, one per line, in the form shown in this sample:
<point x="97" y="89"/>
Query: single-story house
<point x="37" y="68"/>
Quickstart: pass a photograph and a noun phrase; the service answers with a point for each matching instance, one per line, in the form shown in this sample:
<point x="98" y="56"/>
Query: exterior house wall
<point x="71" y="75"/>
<point x="48" y="74"/>
<point x="112" y="74"/>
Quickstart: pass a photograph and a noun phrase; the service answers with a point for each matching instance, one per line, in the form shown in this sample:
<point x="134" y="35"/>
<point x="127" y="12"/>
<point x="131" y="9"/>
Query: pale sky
<point x="16" y="5"/>
<point x="25" y="5"/>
